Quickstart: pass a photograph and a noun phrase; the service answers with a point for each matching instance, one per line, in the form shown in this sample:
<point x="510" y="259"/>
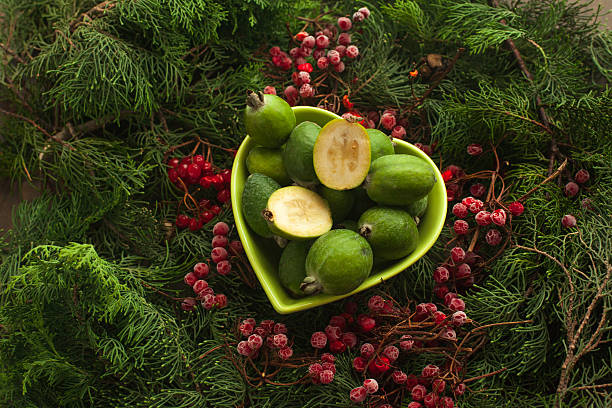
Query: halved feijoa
<point x="392" y="233"/>
<point x="292" y="266"/>
<point x="337" y="263"/>
<point x="340" y="202"/>
<point x="341" y="154"/>
<point x="257" y="190"/>
<point x="297" y="154"/>
<point x="268" y="161"/>
<point x="268" y="119"/>
<point x="297" y="213"/>
<point x="380" y="144"/>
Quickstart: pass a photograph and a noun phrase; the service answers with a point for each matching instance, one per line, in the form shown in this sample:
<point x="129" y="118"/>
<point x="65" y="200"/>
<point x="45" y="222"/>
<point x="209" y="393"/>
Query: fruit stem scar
<point x="267" y="214"/>
<point x="365" y="231"/>
<point x="255" y="100"/>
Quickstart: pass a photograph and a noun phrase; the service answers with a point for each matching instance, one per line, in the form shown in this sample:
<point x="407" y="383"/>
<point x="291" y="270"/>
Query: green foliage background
<point x="77" y="326"/>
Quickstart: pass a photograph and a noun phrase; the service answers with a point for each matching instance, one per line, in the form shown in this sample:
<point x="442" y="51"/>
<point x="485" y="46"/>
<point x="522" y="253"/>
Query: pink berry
<point x="367" y="350"/>
<point x="448" y="297"/>
<point x="516" y="208"/>
<point x="371" y="385"/>
<point x="339" y="67"/>
<point x="387" y="121"/>
<point x="220" y="228"/>
<point x="318" y="340"/>
<point x="350" y="339"/>
<point x="190" y="279"/>
<point x="280" y="340"/>
<point x="493" y="237"/>
<point x="337" y="346"/>
<point x="333" y="57"/>
<point x="430" y="371"/>
<point x="280" y="328"/>
<point x="341" y="50"/>
<point x="571" y="189"/>
<point x="188" y="304"/>
<point x="398" y="132"/>
<point x="338" y="321"/>
<point x="345" y="23"/>
<point x="446" y="402"/>
<point x="219" y="241"/>
<point x="199" y="286"/>
<point x="463" y="271"/>
<point x="329" y="365"/>
<point x="173" y="175"/>
<point x="498" y="217"/>
<point x="268" y="325"/>
<point x="326" y="376"/>
<point x="224" y="267"/>
<point x="255" y="341"/>
<point x="333" y="332"/>
<point x="459" y="318"/>
<point x="322" y="41"/>
<point x="244" y="348"/>
<point x="221" y="300"/>
<point x="365" y="11"/>
<point x="366" y="323"/>
<point x="358" y="394"/>
<point x="568" y="221"/>
<point x="323" y="63"/>
<point x="448" y="333"/>
<point x="246" y="328"/>
<point x="304" y="77"/>
<point x="456" y="304"/>
<point x="208" y="301"/>
<point x="218" y="254"/>
<point x="352" y="51"/>
<point x="399" y="377"/>
<point x="457" y="254"/>
<point x="359" y="364"/>
<point x="418" y="392"/>
<point x="406" y="344"/>
<point x="376" y="304"/>
<point x="438" y="386"/>
<point x="477" y="189"/>
<point x="460" y="389"/>
<point x="236" y="247"/>
<point x="344" y="39"/>
<point x="414" y="404"/>
<point x="461" y="227"/>
<point x="439" y="318"/>
<point x="291" y="92"/>
<point x="195" y="225"/>
<point x="269" y="90"/>
<point x="201" y="270"/>
<point x="391" y="352"/>
<point x="308" y="42"/>
<point x="306" y="91"/>
<point x="582" y="176"/>
<point x="358" y="17"/>
<point x="294" y="52"/>
<point x="430" y="400"/>
<point x="318" y="54"/>
<point x="328" y="358"/>
<point x="411" y="381"/>
<point x="440" y="290"/>
<point x="483" y="218"/>
<point x="474" y="149"/>
<point x="476" y="206"/>
<point x="460" y="210"/>
<point x="285" y="353"/>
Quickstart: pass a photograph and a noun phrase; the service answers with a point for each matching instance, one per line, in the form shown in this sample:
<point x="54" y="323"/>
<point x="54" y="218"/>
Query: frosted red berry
<point x="341" y="50"/>
<point x="476" y="206"/>
<point x="439" y="317"/>
<point x="483" y="218"/>
<point x="438" y="386"/>
<point x="350" y="339"/>
<point x="493" y="237"/>
<point x="516" y="208"/>
<point x="366" y="323"/>
<point x="269" y="90"/>
<point x="337" y="346"/>
<point x="236" y="247"/>
<point x="352" y="51"/>
<point x="571" y="189"/>
<point x="459" y="318"/>
<point x="358" y="394"/>
<point x="376" y="304"/>
<point x="218" y="254"/>
<point x="322" y="41"/>
<point x="440" y="290"/>
<point x="474" y="149"/>
<point x="221" y="300"/>
<point x="461" y="227"/>
<point x="430" y="371"/>
<point x="365" y="11"/>
<point x="446" y="402"/>
<point x="398" y="132"/>
<point x="448" y="297"/>
<point x="448" y="333"/>
<point x="418" y="392"/>
<point x="358" y="17"/>
<point x="359" y="364"/>
<point x="199" y="285"/>
<point x="328" y="358"/>
<point x="345" y="23"/>
<point x="291" y="92"/>
<point x="406" y="343"/>
<point x="344" y="39"/>
<point x="370" y="385"/>
<point x="367" y="350"/>
<point x="190" y="279"/>
<point x="460" y="210"/>
<point x="318" y="340"/>
<point x="456" y="304"/>
<point x="457" y="254"/>
<point x="582" y="176"/>
<point x="244" y="349"/>
<point x="463" y="271"/>
<point x="306" y="91"/>
<point x="477" y="189"/>
<point x="388" y="120"/>
<point x="414" y="404"/>
<point x="333" y="332"/>
<point x="255" y="341"/>
<point x="391" y="352"/>
<point x="201" y="270"/>
<point x="326" y="376"/>
<point x="280" y="328"/>
<point x="339" y="67"/>
<point x="219" y="241"/>
<point x="498" y="217"/>
<point x="246" y="328"/>
<point x="224" y="267"/>
<point x="280" y="340"/>
<point x="304" y="77"/>
<point x="568" y="221"/>
<point x="188" y="304"/>
<point x="460" y="389"/>
<point x="322" y="63"/>
<point x="430" y="400"/>
<point x="285" y="353"/>
<point x="308" y="42"/>
<point x="220" y="228"/>
<point x="399" y="377"/>
<point x="208" y="301"/>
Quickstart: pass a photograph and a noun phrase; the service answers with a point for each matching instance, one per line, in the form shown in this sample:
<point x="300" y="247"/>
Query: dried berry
<point x="493" y="237"/>
<point x="474" y="149"/>
<point x="571" y="189"/>
<point x="460" y="210"/>
<point x="582" y="176"/>
<point x="477" y="189"/>
<point x="441" y="274"/>
<point x="568" y="221"/>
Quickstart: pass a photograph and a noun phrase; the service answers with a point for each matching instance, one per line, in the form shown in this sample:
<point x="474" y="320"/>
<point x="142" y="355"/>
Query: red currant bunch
<point x="267" y="335"/>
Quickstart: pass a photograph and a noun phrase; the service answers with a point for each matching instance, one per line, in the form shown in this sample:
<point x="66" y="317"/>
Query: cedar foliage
<point x="119" y="82"/>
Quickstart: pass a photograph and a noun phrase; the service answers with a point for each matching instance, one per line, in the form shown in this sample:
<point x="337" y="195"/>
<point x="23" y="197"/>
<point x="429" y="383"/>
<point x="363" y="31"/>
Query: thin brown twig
<point x="590" y="387"/>
<point x="546" y="180"/>
<point x="501" y="370"/>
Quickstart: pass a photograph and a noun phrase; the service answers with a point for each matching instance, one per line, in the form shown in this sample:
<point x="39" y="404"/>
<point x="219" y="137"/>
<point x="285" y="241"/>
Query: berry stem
<point x="501" y="370"/>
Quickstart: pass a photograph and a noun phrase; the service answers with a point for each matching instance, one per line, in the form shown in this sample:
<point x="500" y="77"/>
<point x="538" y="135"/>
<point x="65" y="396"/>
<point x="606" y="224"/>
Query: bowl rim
<point x="383" y="275"/>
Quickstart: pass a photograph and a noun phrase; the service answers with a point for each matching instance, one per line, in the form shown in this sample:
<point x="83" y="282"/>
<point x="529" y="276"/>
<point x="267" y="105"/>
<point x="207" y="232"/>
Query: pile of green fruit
<point x="305" y="180"/>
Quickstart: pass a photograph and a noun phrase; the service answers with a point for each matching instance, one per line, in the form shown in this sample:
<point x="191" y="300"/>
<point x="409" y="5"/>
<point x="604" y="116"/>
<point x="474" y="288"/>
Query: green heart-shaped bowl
<point x="264" y="254"/>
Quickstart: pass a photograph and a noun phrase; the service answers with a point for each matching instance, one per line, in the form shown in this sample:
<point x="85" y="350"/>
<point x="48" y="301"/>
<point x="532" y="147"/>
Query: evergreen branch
<point x="100" y="8"/>
<point x="546" y="180"/>
<point x="37" y="126"/>
<point x="590" y="387"/>
<point x="501" y="370"/>
<point x="12" y="53"/>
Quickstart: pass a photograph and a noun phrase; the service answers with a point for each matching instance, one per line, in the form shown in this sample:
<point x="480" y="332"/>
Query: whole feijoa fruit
<point x="380" y="144"/>
<point x="268" y="161"/>
<point x="297" y="153"/>
<point x="268" y="119"/>
<point x="362" y="202"/>
<point x="418" y="208"/>
<point x="297" y="213"/>
<point x="340" y="202"/>
<point x="257" y="190"/>
<point x="292" y="266"/>
<point x="337" y="263"/>
<point x="391" y="232"/>
<point x="399" y="179"/>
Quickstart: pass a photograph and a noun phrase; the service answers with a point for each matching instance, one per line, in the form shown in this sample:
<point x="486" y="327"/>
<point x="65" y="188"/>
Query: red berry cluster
<point x="323" y="371"/>
<point x="572" y="189"/>
<point x="268" y="334"/>
<point x="324" y="50"/>
<point x="196" y="171"/>
<point x="205" y="294"/>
